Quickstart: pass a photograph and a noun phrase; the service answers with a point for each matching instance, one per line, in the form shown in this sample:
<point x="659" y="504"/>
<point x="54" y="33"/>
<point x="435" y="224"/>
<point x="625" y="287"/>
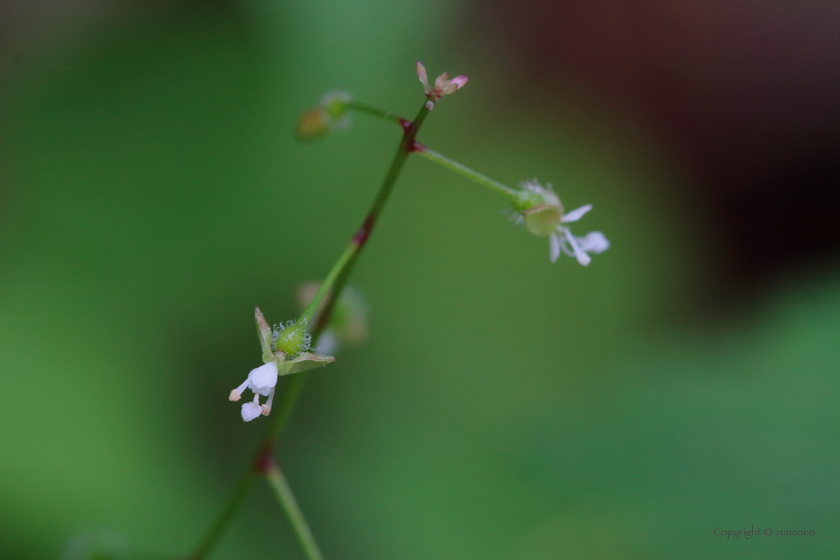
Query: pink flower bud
<point x="460" y="82"/>
<point x="424" y="78"/>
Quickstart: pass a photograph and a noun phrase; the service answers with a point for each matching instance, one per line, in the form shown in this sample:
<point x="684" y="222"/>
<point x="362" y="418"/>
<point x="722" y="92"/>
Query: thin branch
<point x="289" y="504"/>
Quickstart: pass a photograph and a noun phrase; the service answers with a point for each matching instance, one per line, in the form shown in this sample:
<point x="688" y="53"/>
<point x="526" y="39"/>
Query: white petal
<point x="594" y="242"/>
<point x="263" y="378"/>
<point x="251" y="410"/>
<point x="580" y="254"/>
<point x="575" y="214"/>
<point x="553" y="247"/>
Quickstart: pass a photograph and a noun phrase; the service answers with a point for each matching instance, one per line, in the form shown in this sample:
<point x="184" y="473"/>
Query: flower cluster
<point x="443" y="85"/>
<point x="284" y="352"/>
<point x="540" y="209"/>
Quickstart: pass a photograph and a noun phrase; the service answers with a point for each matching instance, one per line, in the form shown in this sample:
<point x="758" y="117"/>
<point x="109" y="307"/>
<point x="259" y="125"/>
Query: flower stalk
<point x="336" y="279"/>
<point x="285" y="348"/>
<point x="286" y="497"/>
<point x="464" y="171"/>
<point x="377" y="112"/>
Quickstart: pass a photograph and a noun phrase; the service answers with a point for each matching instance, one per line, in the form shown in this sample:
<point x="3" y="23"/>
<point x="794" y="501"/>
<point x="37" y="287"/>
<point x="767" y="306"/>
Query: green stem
<point x="336" y="278"/>
<point x="436" y="157"/>
<point x="246" y="480"/>
<point x="375" y="111"/>
<point x="465" y="171"/>
<point x="328" y="282"/>
<point x="345" y="262"/>
<point x="287" y="500"/>
<point x="406" y="147"/>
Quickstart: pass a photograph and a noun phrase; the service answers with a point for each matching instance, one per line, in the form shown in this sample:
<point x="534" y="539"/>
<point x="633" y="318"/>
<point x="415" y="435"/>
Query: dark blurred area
<point x="744" y="92"/>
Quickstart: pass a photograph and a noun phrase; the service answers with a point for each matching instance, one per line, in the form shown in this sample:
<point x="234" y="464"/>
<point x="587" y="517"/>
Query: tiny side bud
<point x="313" y="124"/>
<point x="424" y="77"/>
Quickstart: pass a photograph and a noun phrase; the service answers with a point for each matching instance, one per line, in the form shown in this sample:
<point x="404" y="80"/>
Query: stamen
<point x="266" y="408"/>
<point x="580" y="254"/>
<point x="236" y="394"/>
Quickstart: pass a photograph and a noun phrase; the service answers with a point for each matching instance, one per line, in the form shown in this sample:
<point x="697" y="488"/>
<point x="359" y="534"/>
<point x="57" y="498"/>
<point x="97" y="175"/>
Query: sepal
<point x="264" y="334"/>
<point x="304" y="361"/>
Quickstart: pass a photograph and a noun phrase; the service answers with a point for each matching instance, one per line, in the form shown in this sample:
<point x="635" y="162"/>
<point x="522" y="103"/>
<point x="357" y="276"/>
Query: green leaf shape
<point x="303" y="362"/>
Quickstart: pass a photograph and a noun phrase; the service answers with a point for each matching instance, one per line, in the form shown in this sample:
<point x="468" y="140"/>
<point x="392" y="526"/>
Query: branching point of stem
<point x="264" y="463"/>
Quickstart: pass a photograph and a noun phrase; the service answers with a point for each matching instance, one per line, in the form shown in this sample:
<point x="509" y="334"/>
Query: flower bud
<point x="312" y="124"/>
<point x="443" y="85"/>
<point x="332" y="113"/>
<point x="335" y="105"/>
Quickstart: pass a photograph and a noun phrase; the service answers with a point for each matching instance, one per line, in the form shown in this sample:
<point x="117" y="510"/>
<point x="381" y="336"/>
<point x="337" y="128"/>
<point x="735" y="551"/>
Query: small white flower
<point x="542" y="212"/>
<point x="261" y="381"/>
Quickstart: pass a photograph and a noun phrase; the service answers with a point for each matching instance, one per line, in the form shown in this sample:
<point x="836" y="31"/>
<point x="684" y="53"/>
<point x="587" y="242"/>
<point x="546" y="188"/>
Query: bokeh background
<point x="152" y="193"/>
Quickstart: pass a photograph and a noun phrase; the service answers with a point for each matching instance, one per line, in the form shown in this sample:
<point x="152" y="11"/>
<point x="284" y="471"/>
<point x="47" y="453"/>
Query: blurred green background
<point x="504" y="408"/>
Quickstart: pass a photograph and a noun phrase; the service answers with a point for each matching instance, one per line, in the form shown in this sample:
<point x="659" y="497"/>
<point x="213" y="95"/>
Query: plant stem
<point x="341" y="269"/>
<point x="405" y="149"/>
<point x="376" y="112"/>
<point x="287" y="500"/>
<point x="436" y="157"/>
<point x="246" y="480"/>
<point x="336" y="279"/>
<point x="328" y="282"/>
<point x="465" y="171"/>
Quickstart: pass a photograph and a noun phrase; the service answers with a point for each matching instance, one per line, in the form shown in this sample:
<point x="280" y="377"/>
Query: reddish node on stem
<point x="264" y="463"/>
<point x="364" y="231"/>
<point x="418" y="147"/>
<point x="406" y="124"/>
